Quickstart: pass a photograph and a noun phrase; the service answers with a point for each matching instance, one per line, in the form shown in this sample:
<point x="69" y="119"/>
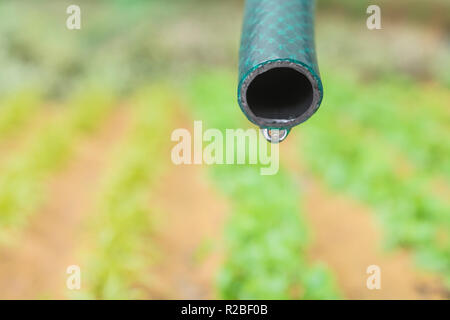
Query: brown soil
<point x="348" y="240"/>
<point x="36" y="267"/>
<point x="188" y="235"/>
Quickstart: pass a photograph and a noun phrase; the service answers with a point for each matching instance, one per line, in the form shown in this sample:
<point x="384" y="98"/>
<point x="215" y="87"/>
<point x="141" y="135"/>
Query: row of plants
<point x="363" y="145"/>
<point x="120" y="253"/>
<point x="23" y="177"/>
<point x="266" y="237"/>
<point x="16" y="109"/>
<point x="412" y="119"/>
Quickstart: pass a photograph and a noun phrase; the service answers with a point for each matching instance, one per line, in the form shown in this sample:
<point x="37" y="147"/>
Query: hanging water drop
<point x="275" y="135"/>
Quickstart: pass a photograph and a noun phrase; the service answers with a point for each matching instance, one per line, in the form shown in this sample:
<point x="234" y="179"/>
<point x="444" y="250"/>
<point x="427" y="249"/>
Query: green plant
<point x="23" y="177"/>
<point x="376" y="147"/>
<point x="267" y="238"/>
<point x="116" y="264"/>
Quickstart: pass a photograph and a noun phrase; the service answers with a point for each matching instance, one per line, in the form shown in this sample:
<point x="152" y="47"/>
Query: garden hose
<point x="279" y="81"/>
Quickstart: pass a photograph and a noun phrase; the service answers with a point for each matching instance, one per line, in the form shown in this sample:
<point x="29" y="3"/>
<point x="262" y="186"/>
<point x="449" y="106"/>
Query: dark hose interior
<point x="279" y="93"/>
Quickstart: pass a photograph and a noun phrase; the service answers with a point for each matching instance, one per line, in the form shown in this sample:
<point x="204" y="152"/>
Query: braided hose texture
<point x="279" y="81"/>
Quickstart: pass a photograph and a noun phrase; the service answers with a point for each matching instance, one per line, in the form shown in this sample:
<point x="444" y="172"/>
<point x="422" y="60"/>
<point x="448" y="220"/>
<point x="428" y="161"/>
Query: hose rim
<point x="280" y="123"/>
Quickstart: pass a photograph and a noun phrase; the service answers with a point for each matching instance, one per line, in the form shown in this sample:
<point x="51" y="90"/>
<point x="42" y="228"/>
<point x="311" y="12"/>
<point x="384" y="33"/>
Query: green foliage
<point x="372" y="142"/>
<point x="22" y="179"/>
<point x="16" y="109"/>
<point x="121" y="251"/>
<point x="394" y="110"/>
<point x="266" y="236"/>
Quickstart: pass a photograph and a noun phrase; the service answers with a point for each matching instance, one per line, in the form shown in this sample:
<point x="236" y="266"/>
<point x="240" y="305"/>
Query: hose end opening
<point x="280" y="94"/>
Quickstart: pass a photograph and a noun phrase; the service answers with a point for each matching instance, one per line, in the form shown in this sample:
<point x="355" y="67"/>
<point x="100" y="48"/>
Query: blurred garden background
<point x="86" y="176"/>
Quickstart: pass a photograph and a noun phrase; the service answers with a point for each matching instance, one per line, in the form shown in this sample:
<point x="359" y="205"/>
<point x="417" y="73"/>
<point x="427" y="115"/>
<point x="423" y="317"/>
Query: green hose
<point x="279" y="81"/>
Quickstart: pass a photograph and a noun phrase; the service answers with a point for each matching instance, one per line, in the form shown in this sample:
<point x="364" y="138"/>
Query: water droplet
<point x="275" y="135"/>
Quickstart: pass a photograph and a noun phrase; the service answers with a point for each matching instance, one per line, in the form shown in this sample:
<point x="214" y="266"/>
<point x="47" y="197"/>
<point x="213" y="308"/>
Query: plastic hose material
<point x="279" y="81"/>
